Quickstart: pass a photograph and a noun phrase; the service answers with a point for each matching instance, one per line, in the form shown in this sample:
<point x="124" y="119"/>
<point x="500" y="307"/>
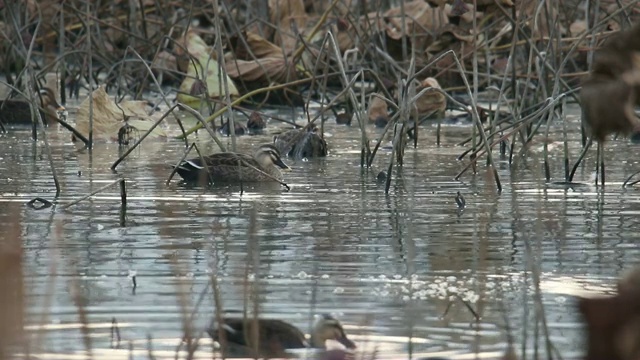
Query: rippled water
<point x="389" y="266"/>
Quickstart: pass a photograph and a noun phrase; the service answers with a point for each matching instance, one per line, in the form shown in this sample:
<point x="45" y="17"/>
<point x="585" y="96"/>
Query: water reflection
<point x="406" y="265"/>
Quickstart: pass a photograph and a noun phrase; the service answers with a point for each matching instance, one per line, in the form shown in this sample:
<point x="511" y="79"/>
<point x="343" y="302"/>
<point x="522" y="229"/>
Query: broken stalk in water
<point x="123" y="202"/>
<point x="102" y="188"/>
<point x="184" y="156"/>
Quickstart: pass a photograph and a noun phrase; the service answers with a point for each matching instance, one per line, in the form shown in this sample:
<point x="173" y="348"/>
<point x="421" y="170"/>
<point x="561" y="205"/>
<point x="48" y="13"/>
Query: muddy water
<point x="397" y="269"/>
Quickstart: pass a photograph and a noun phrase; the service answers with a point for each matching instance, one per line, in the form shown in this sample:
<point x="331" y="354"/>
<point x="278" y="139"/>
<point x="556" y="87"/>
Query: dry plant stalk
<point x="12" y="297"/>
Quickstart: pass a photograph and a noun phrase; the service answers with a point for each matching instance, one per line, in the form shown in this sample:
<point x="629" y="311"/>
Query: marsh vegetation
<point x="433" y="204"/>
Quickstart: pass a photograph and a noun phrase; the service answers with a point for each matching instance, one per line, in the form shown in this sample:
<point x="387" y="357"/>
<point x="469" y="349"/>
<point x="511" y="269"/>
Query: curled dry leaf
<point x="527" y="11"/>
<point x="258" y="47"/>
<point x="493" y="2"/>
<point x="109" y="117"/>
<point x="478" y="2"/>
<point x="272" y="69"/>
<point x="419" y="16"/>
<point x="378" y="111"/>
<point x="165" y="63"/>
<point x="463" y="10"/>
<point x="448" y="35"/>
<point x="577" y="27"/>
<point x="347" y="31"/>
<point x="456" y="39"/>
<point x="432" y="101"/>
<point x="342" y="8"/>
<point x="202" y="66"/>
<point x="290" y="20"/>
<point x="614" y="23"/>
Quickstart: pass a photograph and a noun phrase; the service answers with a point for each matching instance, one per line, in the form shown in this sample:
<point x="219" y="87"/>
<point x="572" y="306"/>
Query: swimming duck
<point x="256" y="122"/>
<point x="275" y="336"/>
<point x="17" y="111"/>
<point x="264" y="165"/>
<point x="238" y="127"/>
<point x="301" y="143"/>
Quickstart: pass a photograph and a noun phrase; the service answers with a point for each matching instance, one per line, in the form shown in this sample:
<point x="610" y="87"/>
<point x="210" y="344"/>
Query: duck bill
<point x="346" y="342"/>
<point x="54" y="104"/>
<point x="282" y="165"/>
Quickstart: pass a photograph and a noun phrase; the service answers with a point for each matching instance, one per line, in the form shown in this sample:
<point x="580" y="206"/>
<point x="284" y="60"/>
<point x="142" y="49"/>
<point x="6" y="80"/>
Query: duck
<point x="239" y="129"/>
<point x="264" y="165"/>
<point x="301" y="143"/>
<point x="275" y="336"/>
<point x="18" y="111"/>
<point x="256" y="122"/>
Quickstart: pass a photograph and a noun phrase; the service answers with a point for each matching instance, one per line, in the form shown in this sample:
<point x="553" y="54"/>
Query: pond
<point x="398" y="269"/>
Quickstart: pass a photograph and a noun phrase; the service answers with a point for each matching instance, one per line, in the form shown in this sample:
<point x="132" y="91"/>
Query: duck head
<point x="326" y="328"/>
<point x="268" y="154"/>
<point x="48" y="99"/>
<point x="49" y="103"/>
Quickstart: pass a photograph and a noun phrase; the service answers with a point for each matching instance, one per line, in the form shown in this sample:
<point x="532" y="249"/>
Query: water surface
<point x="389" y="266"/>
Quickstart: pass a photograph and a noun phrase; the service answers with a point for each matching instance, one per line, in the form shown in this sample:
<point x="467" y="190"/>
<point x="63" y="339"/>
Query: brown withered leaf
<point x="629" y="281"/>
<point x="259" y="46"/>
<point x="613" y="326"/>
<point x="458" y="8"/>
<point x="431" y="101"/>
<point x="347" y="32"/>
<point x="578" y="27"/>
<point x="463" y="10"/>
<point x="615" y="22"/>
<point x="281" y="11"/>
<point x="164" y="63"/>
<point x="345" y="35"/>
<point x="538" y="24"/>
<point x="628" y="339"/>
<point x="454" y="38"/>
<point x="109" y="117"/>
<point x="290" y="19"/>
<point x="378" y="111"/>
<point x="493" y="2"/>
<point x="203" y="67"/>
<point x="478" y="2"/>
<point x="271" y="69"/>
<point x="195" y="47"/>
<point x="342" y="8"/>
<point x="420" y="17"/>
<point x="448" y="35"/>
<point x="613" y="323"/>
